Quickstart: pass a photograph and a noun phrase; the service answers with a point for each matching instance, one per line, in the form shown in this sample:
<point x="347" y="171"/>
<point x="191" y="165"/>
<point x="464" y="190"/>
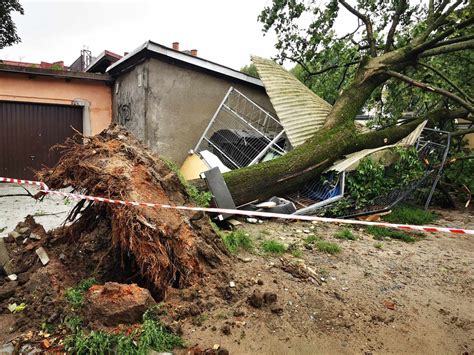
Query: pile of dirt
<point x="158" y="249"/>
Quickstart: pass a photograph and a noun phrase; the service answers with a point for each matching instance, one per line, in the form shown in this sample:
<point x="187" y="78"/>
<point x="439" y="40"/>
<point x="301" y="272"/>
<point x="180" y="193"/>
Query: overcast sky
<point x="223" y="31"/>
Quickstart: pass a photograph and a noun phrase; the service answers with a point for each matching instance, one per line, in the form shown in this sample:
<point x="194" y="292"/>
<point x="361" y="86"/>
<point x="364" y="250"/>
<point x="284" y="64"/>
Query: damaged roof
<point x="152" y="49"/>
<point x="300" y="111"/>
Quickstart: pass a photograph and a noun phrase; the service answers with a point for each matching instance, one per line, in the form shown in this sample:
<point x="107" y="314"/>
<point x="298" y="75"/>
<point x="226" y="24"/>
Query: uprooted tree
<point x="392" y="47"/>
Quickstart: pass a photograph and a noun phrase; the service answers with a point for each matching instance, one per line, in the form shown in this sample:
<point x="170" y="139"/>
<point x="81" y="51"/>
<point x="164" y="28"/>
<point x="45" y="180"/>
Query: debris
<point x="12" y="277"/>
<point x="226" y="329"/>
<point x="7" y="290"/>
<point x="42" y="255"/>
<point x="113" y="303"/>
<point x="35" y="236"/>
<point x="232" y="284"/>
<point x="256" y="299"/>
<point x="389" y="304"/>
<point x="277" y="310"/>
<point x="5" y="263"/>
<point x="14" y="235"/>
<point x="253" y="220"/>
<point x="269" y="297"/>
<point x="45" y="344"/>
<point x="15" y="308"/>
<point x="266" y="204"/>
<point x="234" y="223"/>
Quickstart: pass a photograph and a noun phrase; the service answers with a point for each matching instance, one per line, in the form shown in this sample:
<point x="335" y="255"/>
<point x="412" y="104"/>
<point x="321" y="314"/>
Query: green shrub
<point x="410" y="215"/>
<point x="327" y="247"/>
<point x="345" y="234"/>
<point x="273" y="247"/>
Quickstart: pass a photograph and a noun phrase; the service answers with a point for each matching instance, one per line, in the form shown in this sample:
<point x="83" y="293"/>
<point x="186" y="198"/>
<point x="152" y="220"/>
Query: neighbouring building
<point x="166" y="97"/>
<point x="42" y="107"/>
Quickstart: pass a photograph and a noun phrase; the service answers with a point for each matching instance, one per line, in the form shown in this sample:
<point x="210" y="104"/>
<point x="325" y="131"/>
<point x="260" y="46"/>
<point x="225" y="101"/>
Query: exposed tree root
<point x="169" y="247"/>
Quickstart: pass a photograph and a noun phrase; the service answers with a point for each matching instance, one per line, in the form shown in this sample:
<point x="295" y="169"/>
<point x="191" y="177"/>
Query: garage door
<point x="28" y="131"/>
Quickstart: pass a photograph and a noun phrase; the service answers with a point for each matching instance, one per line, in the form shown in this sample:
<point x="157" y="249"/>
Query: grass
<point x="327" y="247"/>
<point x="152" y="335"/>
<point x="297" y="253"/>
<point x="311" y="239"/>
<point x="380" y="232"/>
<point x="273" y="247"/>
<point x="75" y="295"/>
<point x="345" y="234"/>
<point x="237" y="240"/>
<point x="410" y="215"/>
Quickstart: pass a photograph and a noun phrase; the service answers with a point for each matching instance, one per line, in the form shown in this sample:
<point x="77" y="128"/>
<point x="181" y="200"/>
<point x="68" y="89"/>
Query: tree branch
<point x="334" y="67"/>
<point x="445" y="78"/>
<point x="368" y="26"/>
<point x="448" y="48"/>
<point x="401" y="8"/>
<point x="462" y="132"/>
<point x="429" y="88"/>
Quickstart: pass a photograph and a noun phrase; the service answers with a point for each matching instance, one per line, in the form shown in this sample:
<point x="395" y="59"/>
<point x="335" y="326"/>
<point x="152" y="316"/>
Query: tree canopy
<point x="429" y="45"/>
<point x="8" y="34"/>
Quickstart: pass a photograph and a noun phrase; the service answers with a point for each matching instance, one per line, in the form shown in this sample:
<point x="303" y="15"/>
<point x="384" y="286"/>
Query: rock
<point x="35" y="236"/>
<point x="256" y="299"/>
<point x="14" y="235"/>
<point x="232" y="284"/>
<point x="7" y="348"/>
<point x="277" y="310"/>
<point x="24" y="231"/>
<point x="245" y="260"/>
<point x="12" y="277"/>
<point x="113" y="303"/>
<point x="260" y="282"/>
<point x="226" y="329"/>
<point x="23" y="278"/>
<point x="389" y="304"/>
<point x="42" y="255"/>
<point x="269" y="297"/>
<point x="7" y="290"/>
<point x="222" y="351"/>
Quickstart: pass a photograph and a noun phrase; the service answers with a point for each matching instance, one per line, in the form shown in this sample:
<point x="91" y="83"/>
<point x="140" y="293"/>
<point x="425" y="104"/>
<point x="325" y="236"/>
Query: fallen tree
<point x="414" y="35"/>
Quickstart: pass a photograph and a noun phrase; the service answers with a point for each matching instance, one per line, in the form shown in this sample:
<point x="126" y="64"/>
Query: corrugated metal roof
<point x="352" y="160"/>
<point x="300" y="111"/>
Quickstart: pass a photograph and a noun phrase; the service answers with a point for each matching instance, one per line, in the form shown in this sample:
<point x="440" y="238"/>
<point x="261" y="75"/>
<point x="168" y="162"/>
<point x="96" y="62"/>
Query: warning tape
<point x="46" y="190"/>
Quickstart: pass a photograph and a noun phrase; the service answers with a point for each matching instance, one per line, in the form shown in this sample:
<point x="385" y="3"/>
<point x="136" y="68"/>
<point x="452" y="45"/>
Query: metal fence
<point x="241" y="133"/>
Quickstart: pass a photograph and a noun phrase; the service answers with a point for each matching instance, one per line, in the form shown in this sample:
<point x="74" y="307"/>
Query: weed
<point x="47" y="327"/>
<point x="73" y="323"/>
<point x="200" y="198"/>
<point x="378" y="245"/>
<point x="380" y="232"/>
<point x="327" y="247"/>
<point x="151" y="336"/>
<point x="345" y="234"/>
<point x="297" y="253"/>
<point x="273" y="247"/>
<point x="311" y="239"/>
<point x="200" y="319"/>
<point x="410" y="215"/>
<point x="237" y="240"/>
<point x="75" y="295"/>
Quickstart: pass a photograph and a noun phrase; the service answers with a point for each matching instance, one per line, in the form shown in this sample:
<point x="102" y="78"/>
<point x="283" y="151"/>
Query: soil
<point x="404" y="298"/>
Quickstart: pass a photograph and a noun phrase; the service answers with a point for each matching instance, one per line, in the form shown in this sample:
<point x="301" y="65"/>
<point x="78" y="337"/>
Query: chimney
<point x="176" y="46"/>
<point x="194" y="52"/>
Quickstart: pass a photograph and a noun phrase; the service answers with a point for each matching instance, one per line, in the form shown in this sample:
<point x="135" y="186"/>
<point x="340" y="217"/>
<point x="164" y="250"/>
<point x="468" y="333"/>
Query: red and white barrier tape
<point x="46" y="190"/>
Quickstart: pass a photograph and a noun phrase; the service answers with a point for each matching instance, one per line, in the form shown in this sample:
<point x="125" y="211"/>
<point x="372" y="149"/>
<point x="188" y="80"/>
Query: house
<point x="167" y="97"/>
<point x="41" y="107"/>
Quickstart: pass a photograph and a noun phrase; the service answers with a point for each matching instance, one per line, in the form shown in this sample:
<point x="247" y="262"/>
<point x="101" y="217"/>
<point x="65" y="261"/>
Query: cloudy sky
<point x="223" y="31"/>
